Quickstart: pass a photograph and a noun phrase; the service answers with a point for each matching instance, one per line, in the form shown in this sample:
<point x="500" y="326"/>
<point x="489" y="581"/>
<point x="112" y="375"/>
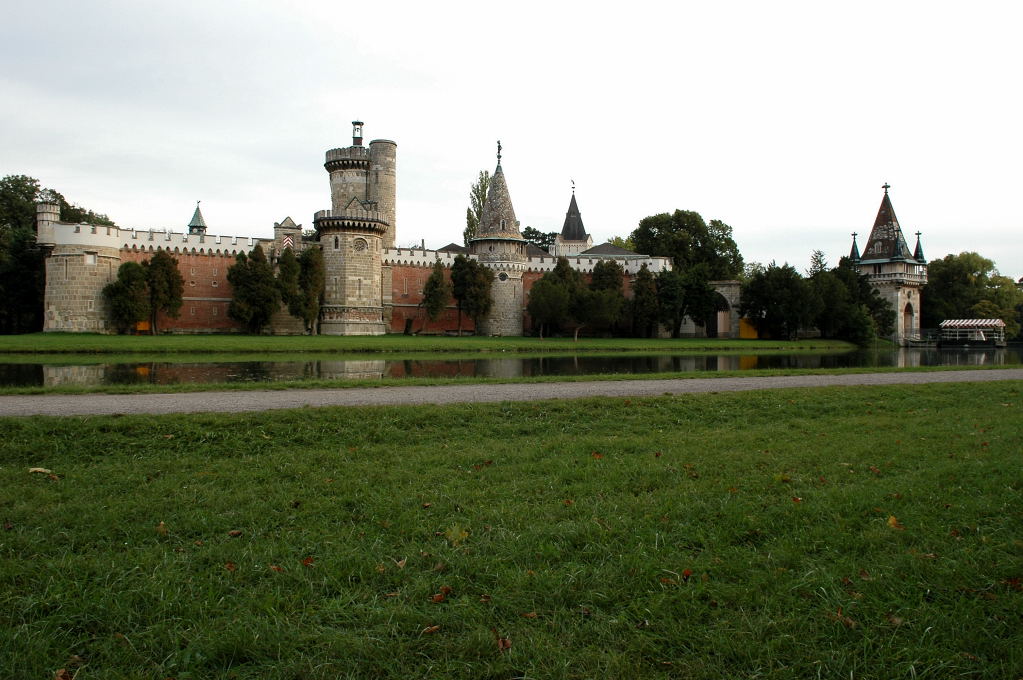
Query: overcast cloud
<point x="781" y="118"/>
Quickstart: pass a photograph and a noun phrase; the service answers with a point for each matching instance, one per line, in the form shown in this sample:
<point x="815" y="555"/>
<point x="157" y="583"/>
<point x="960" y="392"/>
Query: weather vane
<point x="886" y="186"/>
<point x="499" y="152"/>
<point x="573" y="186"/>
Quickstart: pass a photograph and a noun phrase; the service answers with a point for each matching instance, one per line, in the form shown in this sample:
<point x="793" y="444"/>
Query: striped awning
<point x="972" y="323"/>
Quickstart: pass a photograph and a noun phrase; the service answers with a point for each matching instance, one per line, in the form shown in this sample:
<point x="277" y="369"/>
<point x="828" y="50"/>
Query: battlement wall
<point x="97" y="236"/>
<point x="420" y="257"/>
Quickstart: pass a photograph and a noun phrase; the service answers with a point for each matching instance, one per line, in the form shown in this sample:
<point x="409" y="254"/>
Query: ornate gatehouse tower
<point x="354" y="233"/>
<point x="895" y="273"/>
<point x="500" y="246"/>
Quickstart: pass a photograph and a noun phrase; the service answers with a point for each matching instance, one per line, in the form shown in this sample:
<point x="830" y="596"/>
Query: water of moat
<point x="335" y="367"/>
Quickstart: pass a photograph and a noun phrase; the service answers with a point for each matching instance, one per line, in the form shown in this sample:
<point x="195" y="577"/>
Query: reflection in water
<point x="166" y="373"/>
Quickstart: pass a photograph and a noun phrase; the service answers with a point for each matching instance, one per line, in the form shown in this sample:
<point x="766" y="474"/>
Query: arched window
<point x="336" y="243"/>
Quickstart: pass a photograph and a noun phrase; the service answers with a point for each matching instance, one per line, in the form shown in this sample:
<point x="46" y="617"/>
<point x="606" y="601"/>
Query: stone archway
<point x="718" y="323"/>
<point x="907" y="321"/>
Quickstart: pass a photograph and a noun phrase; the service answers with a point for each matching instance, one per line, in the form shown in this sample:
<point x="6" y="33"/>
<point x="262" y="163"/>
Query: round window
<point x="360" y="244"/>
<point x="502" y="276"/>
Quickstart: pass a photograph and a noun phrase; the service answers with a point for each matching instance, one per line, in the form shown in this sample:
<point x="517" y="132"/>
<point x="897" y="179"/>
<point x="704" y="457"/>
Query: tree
<point x="312" y="279"/>
<point x="548" y="303"/>
<point x="671" y="304"/>
<point x="968" y="285"/>
<point x="542" y="240"/>
<point x="128" y="297"/>
<point x="436" y="292"/>
<point x="607" y="275"/>
<point x="166" y="287"/>
<point x="22" y="262"/>
<point x="644" y="303"/>
<point x="460" y="284"/>
<point x="477" y="197"/>
<point x="255" y="294"/>
<point x="818" y="264"/>
<point x="470" y="286"/>
<point x="688" y="240"/>
<point x="288" y="271"/>
<point x="625" y="243"/>
<point x="779" y="302"/>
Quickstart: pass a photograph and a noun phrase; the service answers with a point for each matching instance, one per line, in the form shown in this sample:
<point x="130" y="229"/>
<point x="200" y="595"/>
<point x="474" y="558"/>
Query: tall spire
<point x="198" y="224"/>
<point x="918" y="252"/>
<point x="573" y="229"/>
<point x="498" y="216"/>
<point x="886" y="240"/>
<point x="854" y="252"/>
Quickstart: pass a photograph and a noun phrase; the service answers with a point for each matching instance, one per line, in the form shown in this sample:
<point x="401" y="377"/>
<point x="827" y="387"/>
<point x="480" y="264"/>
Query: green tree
<point x="688" y="240"/>
<point x="477" y="197"/>
<point x="436" y="292"/>
<point x="166" y="287"/>
<point x="625" y="243"/>
<point x="542" y="240"/>
<point x="968" y="285"/>
<point x="779" y="302"/>
<point x="312" y="280"/>
<point x="644" y="303"/>
<point x="818" y="264"/>
<point x="288" y="271"/>
<point x="470" y="286"/>
<point x="548" y="303"/>
<point x="255" y="294"/>
<point x="671" y="304"/>
<point x="460" y="284"/>
<point x="607" y="275"/>
<point x="22" y="262"/>
<point x="128" y="297"/>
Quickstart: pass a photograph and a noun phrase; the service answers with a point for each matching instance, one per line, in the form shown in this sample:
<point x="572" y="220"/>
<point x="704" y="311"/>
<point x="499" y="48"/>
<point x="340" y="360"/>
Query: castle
<point x="373" y="287"/>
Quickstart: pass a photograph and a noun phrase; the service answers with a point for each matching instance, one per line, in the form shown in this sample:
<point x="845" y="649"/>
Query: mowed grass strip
<point x="840" y="532"/>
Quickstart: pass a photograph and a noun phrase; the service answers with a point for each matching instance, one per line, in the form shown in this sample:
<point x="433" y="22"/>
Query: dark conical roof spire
<point x="198" y="224"/>
<point x="886" y="241"/>
<point x="854" y="252"/>
<point x="498" y="217"/>
<point x="573" y="229"/>
<point x="918" y="252"/>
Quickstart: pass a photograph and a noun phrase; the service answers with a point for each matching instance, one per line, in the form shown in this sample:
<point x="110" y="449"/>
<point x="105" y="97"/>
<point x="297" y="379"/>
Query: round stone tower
<point x="499" y="245"/>
<point x="354" y="233"/>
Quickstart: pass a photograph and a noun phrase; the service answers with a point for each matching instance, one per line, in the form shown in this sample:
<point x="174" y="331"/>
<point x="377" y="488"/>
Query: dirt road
<point x="231" y="402"/>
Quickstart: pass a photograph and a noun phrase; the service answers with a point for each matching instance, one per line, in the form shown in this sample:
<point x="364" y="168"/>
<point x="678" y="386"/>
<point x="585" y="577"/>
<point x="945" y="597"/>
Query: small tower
<point x="198" y="224"/>
<point x="895" y="273"/>
<point x="573" y="238"/>
<point x="354" y="233"/>
<point x="499" y="245"/>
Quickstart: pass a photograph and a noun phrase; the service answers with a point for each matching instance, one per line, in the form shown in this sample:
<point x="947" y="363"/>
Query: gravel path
<point x="233" y="402"/>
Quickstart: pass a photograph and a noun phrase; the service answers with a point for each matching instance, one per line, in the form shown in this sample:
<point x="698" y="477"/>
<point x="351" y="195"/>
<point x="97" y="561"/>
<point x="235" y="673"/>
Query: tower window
<point x="336" y="243"/>
<point x="502" y="225"/>
<point x="90" y="258"/>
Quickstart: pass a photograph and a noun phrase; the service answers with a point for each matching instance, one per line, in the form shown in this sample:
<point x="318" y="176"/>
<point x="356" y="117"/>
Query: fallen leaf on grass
<point x="161" y="529"/>
<point x="895" y="620"/>
<point x="41" y="471"/>
<point x="841" y="618"/>
<point x="596" y="455"/>
<point x="456" y="535"/>
<point x="62" y="674"/>
<point x="528" y="615"/>
<point x="308" y="562"/>
<point x="430" y="629"/>
<point x="234" y="533"/>
<point x="865" y="575"/>
<point x="568" y="501"/>
<point x="394" y="594"/>
<point x="484" y="598"/>
<point x="401" y="562"/>
<point x="230" y="566"/>
<point x="438" y="598"/>
<point x="503" y="643"/>
<point x="893" y="522"/>
<point x="278" y="569"/>
<point x="427" y="505"/>
<point x="797" y="499"/>
<point x="1013" y="583"/>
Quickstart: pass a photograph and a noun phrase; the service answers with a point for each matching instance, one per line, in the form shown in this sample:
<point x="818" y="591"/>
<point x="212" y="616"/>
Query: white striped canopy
<point x="972" y="323"/>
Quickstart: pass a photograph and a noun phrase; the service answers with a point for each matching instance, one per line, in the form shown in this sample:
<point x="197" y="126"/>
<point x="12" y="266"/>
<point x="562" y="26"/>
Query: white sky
<point x="781" y="118"/>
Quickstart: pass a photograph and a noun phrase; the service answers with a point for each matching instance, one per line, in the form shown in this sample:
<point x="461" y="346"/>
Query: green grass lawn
<point x="833" y="533"/>
<point x="236" y="343"/>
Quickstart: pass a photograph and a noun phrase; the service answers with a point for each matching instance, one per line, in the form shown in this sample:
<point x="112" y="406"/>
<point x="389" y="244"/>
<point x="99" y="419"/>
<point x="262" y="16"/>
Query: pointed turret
<point x="198" y="224"/>
<point x="886" y="241"/>
<point x="573" y="229"/>
<point x="498" y="217"/>
<point x="854" y="252"/>
<point x="918" y="252"/>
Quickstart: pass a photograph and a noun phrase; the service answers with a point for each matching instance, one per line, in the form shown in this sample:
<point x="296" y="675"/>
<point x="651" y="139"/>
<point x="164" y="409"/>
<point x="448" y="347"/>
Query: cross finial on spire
<point x="886" y="186"/>
<point x="573" y="187"/>
<point x="499" y="152"/>
<point x="854" y="235"/>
